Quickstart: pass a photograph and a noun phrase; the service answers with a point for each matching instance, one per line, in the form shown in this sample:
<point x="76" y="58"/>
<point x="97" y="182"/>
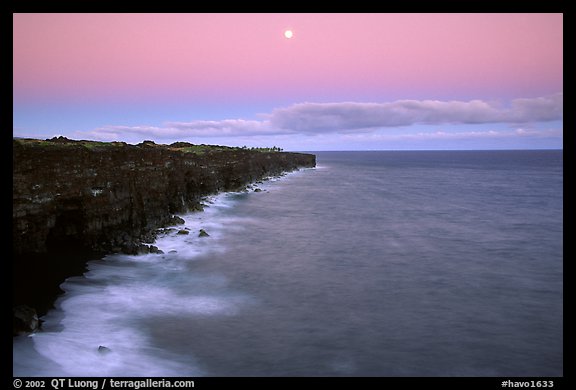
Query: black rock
<point x="183" y="231"/>
<point x="131" y="248"/>
<point x="25" y="320"/>
<point x="143" y="249"/>
<point x="176" y="220"/>
<point x="154" y="249"/>
<point x="149" y="237"/>
<point x="103" y="349"/>
<point x="197" y="207"/>
<point x="203" y="233"/>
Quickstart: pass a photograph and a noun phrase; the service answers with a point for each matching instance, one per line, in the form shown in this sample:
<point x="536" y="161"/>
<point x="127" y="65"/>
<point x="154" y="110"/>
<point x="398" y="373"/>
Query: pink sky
<point x="239" y="54"/>
<point x="133" y="76"/>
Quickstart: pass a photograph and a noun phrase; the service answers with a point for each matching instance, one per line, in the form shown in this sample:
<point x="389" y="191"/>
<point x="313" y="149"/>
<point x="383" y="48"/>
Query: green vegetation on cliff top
<point x="184" y="147"/>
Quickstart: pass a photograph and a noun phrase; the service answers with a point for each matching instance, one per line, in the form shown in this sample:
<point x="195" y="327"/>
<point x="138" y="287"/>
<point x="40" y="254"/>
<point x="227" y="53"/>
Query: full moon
<point x="288" y="34"/>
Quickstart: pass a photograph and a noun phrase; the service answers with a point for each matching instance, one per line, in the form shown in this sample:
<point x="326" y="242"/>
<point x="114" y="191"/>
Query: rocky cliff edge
<point x="72" y="196"/>
<point x="101" y="195"/>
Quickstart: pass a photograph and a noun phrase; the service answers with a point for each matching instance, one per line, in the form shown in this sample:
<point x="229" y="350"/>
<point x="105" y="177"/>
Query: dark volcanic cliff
<point x="96" y="194"/>
<point x="99" y="196"/>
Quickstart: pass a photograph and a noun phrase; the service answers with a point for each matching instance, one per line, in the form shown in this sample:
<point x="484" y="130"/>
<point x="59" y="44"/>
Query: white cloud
<point x="540" y="109"/>
<point x="337" y="117"/>
<point x="452" y="135"/>
<point x="222" y="128"/>
<point x="354" y="117"/>
<point x="227" y="127"/>
<point x="539" y="133"/>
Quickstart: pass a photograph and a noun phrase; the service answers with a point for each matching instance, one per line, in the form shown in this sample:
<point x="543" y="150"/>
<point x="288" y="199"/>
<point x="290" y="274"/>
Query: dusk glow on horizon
<point x="300" y="81"/>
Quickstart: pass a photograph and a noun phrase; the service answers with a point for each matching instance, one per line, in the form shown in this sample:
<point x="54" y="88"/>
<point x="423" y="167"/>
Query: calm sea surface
<point x="371" y="264"/>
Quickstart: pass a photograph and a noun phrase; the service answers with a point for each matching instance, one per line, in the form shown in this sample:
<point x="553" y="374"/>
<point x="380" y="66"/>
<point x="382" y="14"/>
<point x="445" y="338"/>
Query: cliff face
<point x="100" y="195"/>
<point x="73" y="201"/>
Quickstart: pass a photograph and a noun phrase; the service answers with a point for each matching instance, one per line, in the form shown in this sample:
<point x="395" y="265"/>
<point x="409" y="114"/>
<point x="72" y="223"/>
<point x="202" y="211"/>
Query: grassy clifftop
<point x="184" y="147"/>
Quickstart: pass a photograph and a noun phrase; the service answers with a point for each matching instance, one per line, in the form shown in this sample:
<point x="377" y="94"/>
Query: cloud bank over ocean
<point x="356" y="117"/>
<point x="376" y="81"/>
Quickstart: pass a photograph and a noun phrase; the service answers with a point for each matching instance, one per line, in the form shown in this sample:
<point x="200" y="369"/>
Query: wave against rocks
<point x="86" y="196"/>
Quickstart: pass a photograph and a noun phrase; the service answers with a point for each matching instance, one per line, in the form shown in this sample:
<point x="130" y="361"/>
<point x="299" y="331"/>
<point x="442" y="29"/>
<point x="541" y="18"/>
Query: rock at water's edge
<point x="154" y="249"/>
<point x="77" y="197"/>
<point x="176" y="220"/>
<point x="25" y="320"/>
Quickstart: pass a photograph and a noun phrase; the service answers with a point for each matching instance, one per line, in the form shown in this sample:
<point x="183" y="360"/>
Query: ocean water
<point x="371" y="264"/>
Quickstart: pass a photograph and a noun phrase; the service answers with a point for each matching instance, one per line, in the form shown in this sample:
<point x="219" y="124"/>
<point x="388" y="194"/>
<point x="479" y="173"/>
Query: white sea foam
<point x="383" y="264"/>
<point x="106" y="305"/>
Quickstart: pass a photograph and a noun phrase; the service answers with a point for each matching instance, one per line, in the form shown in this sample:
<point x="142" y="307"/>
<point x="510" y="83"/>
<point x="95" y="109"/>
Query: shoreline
<point x="74" y="261"/>
<point x="76" y="201"/>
